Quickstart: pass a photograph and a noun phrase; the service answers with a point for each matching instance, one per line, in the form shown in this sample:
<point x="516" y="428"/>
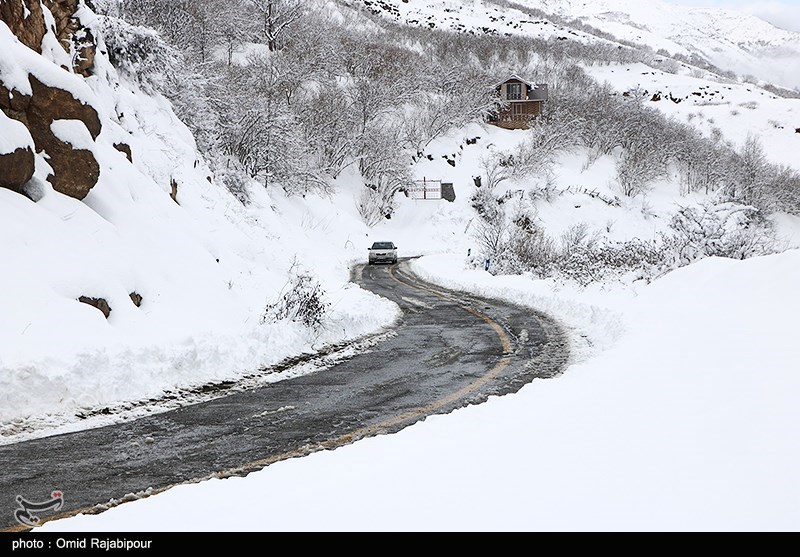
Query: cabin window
<point x="518" y="111"/>
<point x="514" y="91"/>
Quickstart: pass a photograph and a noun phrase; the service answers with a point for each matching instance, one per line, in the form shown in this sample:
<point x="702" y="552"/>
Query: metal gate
<point x="426" y="189"/>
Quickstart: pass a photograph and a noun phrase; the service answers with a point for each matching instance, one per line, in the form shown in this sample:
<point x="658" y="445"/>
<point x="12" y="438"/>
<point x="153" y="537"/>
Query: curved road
<point x="449" y="350"/>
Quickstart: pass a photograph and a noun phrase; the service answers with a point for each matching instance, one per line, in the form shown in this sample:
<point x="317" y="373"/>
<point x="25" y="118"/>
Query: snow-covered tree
<point x="277" y="17"/>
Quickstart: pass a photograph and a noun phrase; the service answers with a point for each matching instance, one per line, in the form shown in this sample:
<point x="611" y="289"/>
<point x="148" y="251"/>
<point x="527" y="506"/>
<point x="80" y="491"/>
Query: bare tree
<point x="497" y="169"/>
<point x="385" y="171"/>
<point x="784" y="190"/>
<point x="232" y="30"/>
<point x="554" y="133"/>
<point x="261" y="129"/>
<point x="635" y="171"/>
<point x="277" y="16"/>
<point x="186" y="24"/>
<point x="453" y="96"/>
<point x="752" y="167"/>
<point x="490" y="237"/>
<point x="329" y="128"/>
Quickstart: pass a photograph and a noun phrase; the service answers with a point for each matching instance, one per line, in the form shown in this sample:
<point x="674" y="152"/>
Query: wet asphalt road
<point x="450" y="350"/>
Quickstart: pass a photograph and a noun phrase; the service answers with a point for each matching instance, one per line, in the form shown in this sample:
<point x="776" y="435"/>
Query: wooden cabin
<point x="519" y="101"/>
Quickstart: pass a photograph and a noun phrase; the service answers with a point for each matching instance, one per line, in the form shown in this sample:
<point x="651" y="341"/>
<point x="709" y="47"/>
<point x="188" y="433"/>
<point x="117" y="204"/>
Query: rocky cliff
<point x="36" y="96"/>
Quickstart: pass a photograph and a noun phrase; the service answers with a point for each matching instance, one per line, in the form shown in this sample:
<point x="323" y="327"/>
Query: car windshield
<point x="383" y="245"/>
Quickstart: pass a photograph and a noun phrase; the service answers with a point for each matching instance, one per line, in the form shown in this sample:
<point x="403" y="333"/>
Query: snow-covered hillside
<point x="184" y="270"/>
<point x="733" y="41"/>
<point x="736" y="110"/>
<point x="471" y="16"/>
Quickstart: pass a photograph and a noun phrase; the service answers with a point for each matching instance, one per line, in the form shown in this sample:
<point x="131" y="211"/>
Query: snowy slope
<point x="731" y="40"/>
<point x="203" y="266"/>
<point x="200" y="318"/>
<point x="734" y="109"/>
<point x="471" y="16"/>
<point x="684" y="422"/>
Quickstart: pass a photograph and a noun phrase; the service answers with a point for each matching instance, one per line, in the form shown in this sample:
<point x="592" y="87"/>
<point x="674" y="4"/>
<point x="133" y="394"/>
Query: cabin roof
<point x="538" y="91"/>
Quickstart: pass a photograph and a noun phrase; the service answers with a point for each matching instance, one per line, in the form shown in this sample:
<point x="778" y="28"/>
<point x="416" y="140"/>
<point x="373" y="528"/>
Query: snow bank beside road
<point x="587" y="312"/>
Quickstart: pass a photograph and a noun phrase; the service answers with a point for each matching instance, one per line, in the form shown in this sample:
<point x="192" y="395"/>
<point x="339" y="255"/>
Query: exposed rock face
<point x="14" y="104"/>
<point x="124" y="148"/>
<point x="66" y="23"/>
<point x="72" y="35"/>
<point x="86" y="49"/>
<point x="16" y="169"/>
<point x="99" y="303"/>
<point x="51" y="103"/>
<point x="29" y="30"/>
<point x="25" y="18"/>
<point x="76" y="170"/>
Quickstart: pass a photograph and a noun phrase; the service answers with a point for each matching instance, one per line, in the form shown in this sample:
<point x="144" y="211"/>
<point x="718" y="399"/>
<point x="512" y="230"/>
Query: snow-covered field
<point x="688" y="423"/>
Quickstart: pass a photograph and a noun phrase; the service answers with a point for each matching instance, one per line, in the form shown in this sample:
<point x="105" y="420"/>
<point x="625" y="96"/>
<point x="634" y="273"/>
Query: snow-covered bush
<point x="554" y="133"/>
<point x="518" y="244"/>
<point x="235" y="180"/>
<point x="372" y="206"/>
<point x="520" y="247"/>
<point x="636" y="170"/>
<point x="600" y="260"/>
<point x="486" y="205"/>
<point x="578" y="236"/>
<point x="782" y="190"/>
<point x="669" y="65"/>
<point x="723" y="230"/>
<point x="385" y="171"/>
<point x="497" y="168"/>
<point x="491" y="239"/>
<point x="526" y="247"/>
<point x="302" y="300"/>
<point x="139" y="53"/>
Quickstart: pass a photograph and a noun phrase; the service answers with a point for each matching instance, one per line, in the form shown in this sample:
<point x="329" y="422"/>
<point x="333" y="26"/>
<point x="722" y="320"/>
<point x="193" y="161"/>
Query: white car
<point x="382" y="252"/>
